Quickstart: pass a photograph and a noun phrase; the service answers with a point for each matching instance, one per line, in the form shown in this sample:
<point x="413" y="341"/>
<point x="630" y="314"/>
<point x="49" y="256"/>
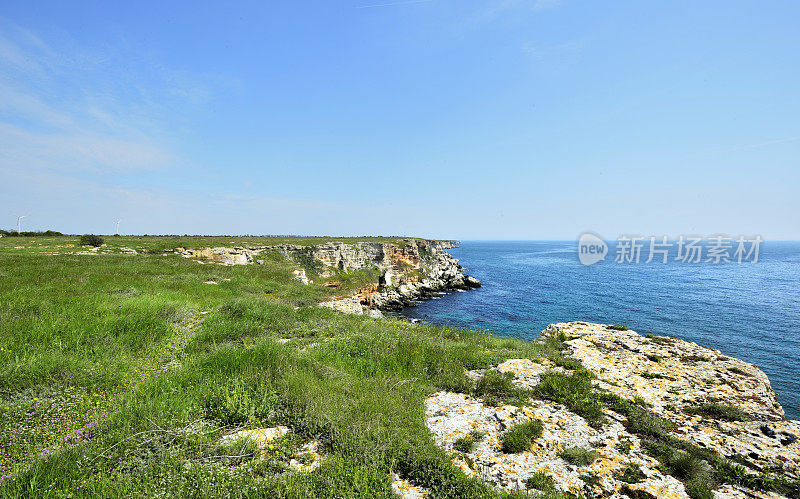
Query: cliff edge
<point x="404" y="271"/>
<point x="625" y="415"/>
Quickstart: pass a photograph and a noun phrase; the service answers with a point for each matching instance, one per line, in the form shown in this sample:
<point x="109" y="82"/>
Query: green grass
<point x="718" y="411"/>
<point x="579" y="456"/>
<point x="540" y="481"/>
<point x="120" y="373"/>
<point x="158" y="244"/>
<point x="574" y="391"/>
<point x="520" y="437"/>
<point x="467" y="443"/>
<point x="631" y="473"/>
<point x="496" y="387"/>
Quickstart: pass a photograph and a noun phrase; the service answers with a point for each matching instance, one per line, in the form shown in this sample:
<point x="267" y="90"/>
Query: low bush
<point x="718" y="411"/>
<point x="496" y="386"/>
<point x="520" y="437"/>
<point x="573" y="391"/>
<point x="540" y="481"/>
<point x="578" y="456"/>
<point x="91" y="240"/>
<point x="467" y="443"/>
<point x="238" y="403"/>
<point x="591" y="480"/>
<point x="618" y="327"/>
<point x="630" y="474"/>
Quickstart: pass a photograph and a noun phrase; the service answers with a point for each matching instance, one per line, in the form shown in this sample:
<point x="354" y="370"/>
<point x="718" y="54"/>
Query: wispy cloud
<point x="73" y="109"/>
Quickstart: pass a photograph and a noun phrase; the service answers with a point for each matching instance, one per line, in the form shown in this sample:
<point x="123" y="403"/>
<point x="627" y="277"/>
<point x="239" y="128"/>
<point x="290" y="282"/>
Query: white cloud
<point x="74" y="109"/>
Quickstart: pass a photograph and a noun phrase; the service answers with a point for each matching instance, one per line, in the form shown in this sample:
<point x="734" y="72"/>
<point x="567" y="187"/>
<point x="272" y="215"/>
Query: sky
<point x="490" y="119"/>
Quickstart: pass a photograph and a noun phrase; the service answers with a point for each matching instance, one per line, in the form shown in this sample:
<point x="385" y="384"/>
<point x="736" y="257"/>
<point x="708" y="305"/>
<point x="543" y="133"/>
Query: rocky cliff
<point x="407" y="271"/>
<point x="678" y="420"/>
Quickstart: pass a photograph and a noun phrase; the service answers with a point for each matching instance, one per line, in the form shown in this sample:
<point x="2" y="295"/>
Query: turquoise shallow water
<point x="749" y="311"/>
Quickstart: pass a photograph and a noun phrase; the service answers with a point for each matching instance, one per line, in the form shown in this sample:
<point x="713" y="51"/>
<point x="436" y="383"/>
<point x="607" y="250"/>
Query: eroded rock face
<point x="410" y="270"/>
<point x="223" y="256"/>
<point x="628" y="365"/>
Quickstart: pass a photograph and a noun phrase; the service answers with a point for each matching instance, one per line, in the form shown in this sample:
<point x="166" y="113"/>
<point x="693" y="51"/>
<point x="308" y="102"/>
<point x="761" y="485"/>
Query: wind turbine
<point x="117" y="232"/>
<point x="19" y="223"/>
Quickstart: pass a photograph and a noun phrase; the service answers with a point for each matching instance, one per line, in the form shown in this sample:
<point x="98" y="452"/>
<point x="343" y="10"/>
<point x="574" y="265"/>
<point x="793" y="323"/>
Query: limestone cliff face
<point x="408" y="270"/>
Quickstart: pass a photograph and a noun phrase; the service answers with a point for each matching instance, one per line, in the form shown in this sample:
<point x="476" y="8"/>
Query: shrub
<point x="650" y="375"/>
<point x="91" y="240"/>
<point x="636" y="493"/>
<point x="591" y="480"/>
<point x="618" y="327"/>
<point x="686" y="466"/>
<point x="496" y="386"/>
<point x="654" y="358"/>
<point x="718" y="411"/>
<point x="467" y="443"/>
<point x="520" y="437"/>
<point x="578" y="456"/>
<point x="630" y="474"/>
<point x="540" y="481"/>
<point x="238" y="403"/>
<point x="573" y="391"/>
<point x="496" y="383"/>
<point x="625" y="446"/>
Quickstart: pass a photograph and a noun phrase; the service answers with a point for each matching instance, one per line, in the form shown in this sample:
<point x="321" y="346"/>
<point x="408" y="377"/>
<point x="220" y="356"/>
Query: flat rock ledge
<point x="669" y="374"/>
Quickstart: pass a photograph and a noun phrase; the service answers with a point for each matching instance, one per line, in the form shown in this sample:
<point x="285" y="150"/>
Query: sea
<point x="748" y="310"/>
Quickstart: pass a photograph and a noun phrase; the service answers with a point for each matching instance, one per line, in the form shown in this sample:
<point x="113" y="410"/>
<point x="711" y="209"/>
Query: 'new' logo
<point x="591" y="248"/>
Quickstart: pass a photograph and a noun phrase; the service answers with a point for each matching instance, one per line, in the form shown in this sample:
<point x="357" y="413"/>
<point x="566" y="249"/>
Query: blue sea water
<point x="750" y="311"/>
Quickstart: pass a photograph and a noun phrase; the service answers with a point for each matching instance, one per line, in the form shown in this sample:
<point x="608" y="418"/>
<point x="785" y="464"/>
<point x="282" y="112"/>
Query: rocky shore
<point x="407" y="271"/>
<point x="719" y="405"/>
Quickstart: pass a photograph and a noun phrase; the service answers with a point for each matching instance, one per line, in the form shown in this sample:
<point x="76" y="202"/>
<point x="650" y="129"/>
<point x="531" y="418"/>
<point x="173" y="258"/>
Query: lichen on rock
<point x="668" y="375"/>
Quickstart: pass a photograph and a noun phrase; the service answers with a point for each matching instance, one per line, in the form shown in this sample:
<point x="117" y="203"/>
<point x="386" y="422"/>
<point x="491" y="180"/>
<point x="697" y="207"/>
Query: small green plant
<point x="624" y="446"/>
<point x="618" y="327"/>
<point x="590" y="480"/>
<point x="736" y="370"/>
<point x="651" y="375"/>
<point x="575" y="392"/>
<point x="636" y="493"/>
<point x="520" y="437"/>
<point x="496" y="386"/>
<point x="540" y="481"/>
<point x="654" y="358"/>
<point x="91" y="240"/>
<point x="718" y="411"/>
<point x="579" y="456"/>
<point x="630" y="474"/>
<point x="467" y="443"/>
<point x="238" y="403"/>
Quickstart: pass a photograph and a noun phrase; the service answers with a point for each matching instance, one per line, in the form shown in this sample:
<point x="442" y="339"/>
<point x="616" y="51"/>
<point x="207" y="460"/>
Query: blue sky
<point x="494" y="119"/>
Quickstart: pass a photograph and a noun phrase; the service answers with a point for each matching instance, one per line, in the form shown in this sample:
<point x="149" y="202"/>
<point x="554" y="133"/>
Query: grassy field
<point x="120" y="373"/>
<point x="157" y="244"/>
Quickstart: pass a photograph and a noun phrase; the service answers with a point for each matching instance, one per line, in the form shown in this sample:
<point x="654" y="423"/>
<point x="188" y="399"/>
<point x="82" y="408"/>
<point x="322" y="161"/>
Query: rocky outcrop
<point x="671" y="377"/>
<point x="224" y="256"/>
<point x="412" y="270"/>
<point x="408" y="270"/>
